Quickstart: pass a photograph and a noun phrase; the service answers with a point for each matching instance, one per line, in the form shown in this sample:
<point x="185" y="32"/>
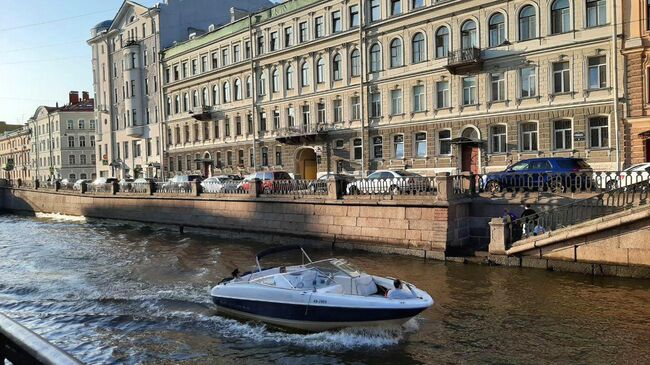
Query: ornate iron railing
<point x="225" y="188"/>
<point x="296" y="187"/>
<point x="173" y="188"/>
<point x="411" y="185"/>
<point x="465" y="55"/>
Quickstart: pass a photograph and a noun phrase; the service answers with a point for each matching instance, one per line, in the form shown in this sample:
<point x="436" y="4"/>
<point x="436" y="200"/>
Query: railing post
<point x="37" y="184"/>
<point x="150" y="187"/>
<point x="445" y="186"/>
<point x="115" y="187"/>
<point x="20" y="182"/>
<point x="196" y="187"/>
<point x="498" y="237"/>
<point x="333" y="188"/>
<point x="254" y="188"/>
<point x="84" y="187"/>
<point x="57" y="185"/>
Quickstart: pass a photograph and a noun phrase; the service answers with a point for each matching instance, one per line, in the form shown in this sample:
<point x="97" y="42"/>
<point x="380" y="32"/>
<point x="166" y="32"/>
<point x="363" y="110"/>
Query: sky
<point x="43" y="51"/>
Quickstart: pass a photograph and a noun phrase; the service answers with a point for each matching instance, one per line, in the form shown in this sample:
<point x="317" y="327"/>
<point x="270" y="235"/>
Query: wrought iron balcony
<point x="465" y="60"/>
<point x="302" y="133"/>
<point x="205" y="113"/>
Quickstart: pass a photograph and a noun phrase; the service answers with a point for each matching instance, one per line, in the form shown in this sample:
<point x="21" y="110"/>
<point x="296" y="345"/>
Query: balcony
<point x="465" y="61"/>
<point x="131" y="42"/>
<point x="302" y="133"/>
<point x="98" y="137"/>
<point x="205" y="113"/>
<point x="136" y="131"/>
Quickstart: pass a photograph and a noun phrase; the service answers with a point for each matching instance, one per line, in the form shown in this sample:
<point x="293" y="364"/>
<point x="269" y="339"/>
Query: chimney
<point x="85" y="96"/>
<point x="74" y="97"/>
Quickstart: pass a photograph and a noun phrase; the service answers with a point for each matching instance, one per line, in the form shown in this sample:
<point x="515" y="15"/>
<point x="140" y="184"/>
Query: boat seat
<point x="365" y="285"/>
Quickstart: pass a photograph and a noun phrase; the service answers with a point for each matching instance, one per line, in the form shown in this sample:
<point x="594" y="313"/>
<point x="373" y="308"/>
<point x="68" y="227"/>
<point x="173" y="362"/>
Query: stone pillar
<point x="333" y="188"/>
<point x="196" y="187"/>
<point x="445" y="186"/>
<point x="254" y="188"/>
<point x="150" y="187"/>
<point x="84" y="187"/>
<point x="37" y="184"/>
<point x="115" y="187"/>
<point x="57" y="185"/>
<point x="498" y="237"/>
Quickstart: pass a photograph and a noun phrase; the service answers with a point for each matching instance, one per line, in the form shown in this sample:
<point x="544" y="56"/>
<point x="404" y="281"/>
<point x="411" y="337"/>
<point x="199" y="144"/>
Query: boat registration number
<point x="320" y="301"/>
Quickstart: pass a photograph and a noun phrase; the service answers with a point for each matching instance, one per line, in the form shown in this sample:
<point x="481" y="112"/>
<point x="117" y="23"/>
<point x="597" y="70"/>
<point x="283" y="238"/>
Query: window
<point x="418" y="98"/>
<point x="596" y="13"/>
<point x="186" y="102"/>
<point x="204" y="63"/>
<point x="468" y="36"/>
<point x="249" y="87"/>
<point x="528" y="136"/>
<point x="395" y="7"/>
<point x="249" y="124"/>
<point x="262" y="117"/>
<point x="375" y="58"/>
<point x="303" y="34"/>
<point x="273" y="45"/>
<point x="215" y="95"/>
<point x="226" y="92"/>
<point x="442" y="42"/>
<point x="336" y="67"/>
<point x="237" y="86"/>
<point x="561" y="77"/>
<point x="275" y="81"/>
<point x="375" y="10"/>
<point x="321" y="112"/>
<point x="378" y="147"/>
<point x="289" y="76"/>
<point x="229" y="159"/>
<point x="598" y="132"/>
<point x="92" y="141"/>
<point x="251" y="158"/>
<point x="442" y="94"/>
<point x="195" y="99"/>
<point x="336" y="22"/>
<point x="226" y="127"/>
<point x="265" y="156"/>
<point x="417" y="4"/>
<point x="82" y="159"/>
<point x="320" y="71"/>
<point x="560" y="17"/>
<point x="304" y="74"/>
<point x="224" y="58"/>
<point x="240" y="157"/>
<point x="306" y="118"/>
<point x="375" y="105"/>
<point x="319" y="30"/>
<point x="236" y="53"/>
<point x="444" y="142"/>
<point x="597" y="72"/>
<point x="204" y="97"/>
<point x="338" y="111"/>
<point x="396" y="102"/>
<point x="262" y="83"/>
<point x="418" y="53"/>
<point x="355" y="101"/>
<point x="527" y="23"/>
<point x="82" y="124"/>
<point x="247" y="50"/>
<point x="469" y="90"/>
<point x="421" y="145"/>
<point x="354" y="16"/>
<point x="278" y="155"/>
<point x="396" y="53"/>
<point x="357" y="149"/>
<point x="288" y="37"/>
<point x="562" y="134"/>
<point x="71" y="159"/>
<point x="215" y="60"/>
<point x="498" y="137"/>
<point x="497" y="30"/>
<point x="71" y="141"/>
<point x="260" y="45"/>
<point x="498" y="82"/>
<point x="398" y="146"/>
<point x="184" y="65"/>
<point x="194" y="67"/>
<point x="355" y="62"/>
<point x="82" y="141"/>
<point x="528" y="76"/>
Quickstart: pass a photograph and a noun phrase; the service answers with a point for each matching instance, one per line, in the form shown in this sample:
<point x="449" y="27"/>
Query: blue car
<point x="556" y="174"/>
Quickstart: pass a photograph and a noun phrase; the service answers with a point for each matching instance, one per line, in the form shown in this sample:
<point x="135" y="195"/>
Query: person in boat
<point x="399" y="292"/>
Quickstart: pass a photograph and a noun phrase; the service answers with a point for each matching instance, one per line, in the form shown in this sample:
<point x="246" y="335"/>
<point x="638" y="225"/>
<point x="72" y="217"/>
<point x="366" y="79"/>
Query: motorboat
<point x="317" y="295"/>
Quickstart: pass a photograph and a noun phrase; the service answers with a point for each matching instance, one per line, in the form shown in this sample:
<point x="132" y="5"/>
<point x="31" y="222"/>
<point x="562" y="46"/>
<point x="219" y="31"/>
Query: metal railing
<point x="173" y="188"/>
<point x="578" y="211"/>
<point x="412" y="185"/>
<point x="100" y="188"/>
<point x="297" y="187"/>
<point x="301" y="130"/>
<point x="462" y="56"/>
<point x="228" y="187"/>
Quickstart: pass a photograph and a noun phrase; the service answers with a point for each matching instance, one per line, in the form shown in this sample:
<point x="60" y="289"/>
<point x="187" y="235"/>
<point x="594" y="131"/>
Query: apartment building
<point x="311" y="86"/>
<point x="15" y="154"/>
<point x="126" y="76"/>
<point x="63" y="140"/>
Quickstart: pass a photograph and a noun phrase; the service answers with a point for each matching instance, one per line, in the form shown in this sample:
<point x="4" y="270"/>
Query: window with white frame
<point x="527" y="23"/>
<point x="596" y="13"/>
<point x="276" y="120"/>
<point x="304" y="74"/>
<point x="418" y="98"/>
<point x="288" y="36"/>
<point x="418" y="52"/>
<point x="336" y="22"/>
<point x="442" y="94"/>
<point x="498" y="136"/>
<point x="421" y="145"/>
<point x="320" y="110"/>
<point x="337" y="71"/>
<point x="395" y="7"/>
<point x="378" y="147"/>
<point x="561" y="77"/>
<point x="82" y="124"/>
<point x="357" y="149"/>
<point x="442" y="42"/>
<point x="320" y="71"/>
<point x="275" y="81"/>
<point x="71" y="159"/>
<point x="498" y="86"/>
<point x="562" y="139"/>
<point x="319" y="28"/>
<point x="398" y="146"/>
<point x="497" y="30"/>
<point x="375" y="58"/>
<point x="598" y="132"/>
<point x="291" y="116"/>
<point x="468" y="35"/>
<point x="303" y="33"/>
<point x="289" y="76"/>
<point x="396" y="53"/>
<point x="396" y="102"/>
<point x="375" y="10"/>
<point x="355" y="101"/>
<point x="355" y="63"/>
<point x="306" y="115"/>
<point x="560" y="17"/>
<point x="338" y="111"/>
<point x="469" y="90"/>
<point x="70" y="124"/>
<point x="273" y="42"/>
<point x="444" y="142"/>
<point x="597" y="70"/>
<point x="528" y="82"/>
<point x="70" y="141"/>
<point x="528" y="136"/>
<point x="354" y="16"/>
<point x="375" y="105"/>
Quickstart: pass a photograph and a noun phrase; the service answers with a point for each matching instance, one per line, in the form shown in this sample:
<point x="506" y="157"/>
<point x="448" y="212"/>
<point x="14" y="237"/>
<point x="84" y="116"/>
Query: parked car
<point x="104" y="180"/>
<point x="632" y="175"/>
<point x="387" y="182"/>
<point x="181" y="181"/>
<point x="65" y="184"/>
<point x="77" y="184"/>
<point x="126" y="184"/>
<point x="139" y="185"/>
<point x="272" y="181"/>
<point x="320" y="184"/>
<point x="216" y="184"/>
<point x="556" y="174"/>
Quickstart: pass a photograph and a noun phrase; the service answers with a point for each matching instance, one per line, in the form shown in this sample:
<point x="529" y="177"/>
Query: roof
<point x="81" y="106"/>
<point x="237" y="26"/>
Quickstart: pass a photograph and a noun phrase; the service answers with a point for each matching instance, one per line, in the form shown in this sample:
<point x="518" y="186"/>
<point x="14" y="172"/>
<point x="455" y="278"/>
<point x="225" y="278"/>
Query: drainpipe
<point x="161" y="101"/>
<point x="362" y="97"/>
<point x="615" y="82"/>
<point x="253" y="88"/>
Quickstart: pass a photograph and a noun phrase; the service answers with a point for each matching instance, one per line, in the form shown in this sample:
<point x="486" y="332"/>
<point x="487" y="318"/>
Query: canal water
<point x="114" y="292"/>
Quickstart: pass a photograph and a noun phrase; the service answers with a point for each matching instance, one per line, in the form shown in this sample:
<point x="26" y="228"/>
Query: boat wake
<point x="61" y="217"/>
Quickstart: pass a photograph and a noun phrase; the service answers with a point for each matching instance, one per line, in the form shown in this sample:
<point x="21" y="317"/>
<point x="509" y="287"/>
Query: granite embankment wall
<point x="411" y="227"/>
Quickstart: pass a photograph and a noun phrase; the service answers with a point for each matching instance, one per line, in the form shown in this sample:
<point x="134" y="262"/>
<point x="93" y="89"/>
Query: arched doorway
<point x="207" y="165"/>
<point x="469" y="150"/>
<point x="306" y="165"/>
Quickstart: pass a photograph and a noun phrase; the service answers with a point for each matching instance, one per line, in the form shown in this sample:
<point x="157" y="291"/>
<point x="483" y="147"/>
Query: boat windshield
<point x="336" y="267"/>
<point x="309" y="278"/>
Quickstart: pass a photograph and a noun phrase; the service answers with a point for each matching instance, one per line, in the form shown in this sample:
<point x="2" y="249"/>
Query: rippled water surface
<point x="111" y="292"/>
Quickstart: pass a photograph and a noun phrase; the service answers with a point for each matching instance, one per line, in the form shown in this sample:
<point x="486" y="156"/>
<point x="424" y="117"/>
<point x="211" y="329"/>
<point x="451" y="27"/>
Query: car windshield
<point x="521" y="166"/>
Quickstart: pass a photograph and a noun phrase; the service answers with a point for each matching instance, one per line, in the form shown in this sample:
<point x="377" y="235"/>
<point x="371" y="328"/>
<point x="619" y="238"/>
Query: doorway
<point x="469" y="158"/>
<point x="306" y="165"/>
<point x="646" y="142"/>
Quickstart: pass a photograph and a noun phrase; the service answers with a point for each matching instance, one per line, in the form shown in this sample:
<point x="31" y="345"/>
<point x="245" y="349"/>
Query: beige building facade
<point x="354" y="86"/>
<point x="15" y="154"/>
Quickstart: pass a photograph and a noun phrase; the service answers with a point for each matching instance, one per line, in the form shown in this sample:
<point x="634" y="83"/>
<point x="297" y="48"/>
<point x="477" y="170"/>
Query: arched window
<point x="186" y="101"/>
<point x="226" y="92"/>
<point x="560" y="17"/>
<point x="289" y="76"/>
<point x="275" y="81"/>
<point x="527" y="23"/>
<point x="237" y="86"/>
<point x="468" y="36"/>
<point x="169" y="106"/>
<point x="204" y="97"/>
<point x="375" y="58"/>
<point x="249" y="87"/>
<point x="215" y="95"/>
<point x="265" y="156"/>
<point x="304" y="74"/>
<point x="336" y="67"/>
<point x="262" y="83"/>
<point x="195" y="99"/>
<point x="497" y="30"/>
<point x="355" y="62"/>
<point x="417" y="48"/>
<point x="442" y="42"/>
<point x="396" y="53"/>
<point x="597" y="13"/>
<point x="320" y="71"/>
